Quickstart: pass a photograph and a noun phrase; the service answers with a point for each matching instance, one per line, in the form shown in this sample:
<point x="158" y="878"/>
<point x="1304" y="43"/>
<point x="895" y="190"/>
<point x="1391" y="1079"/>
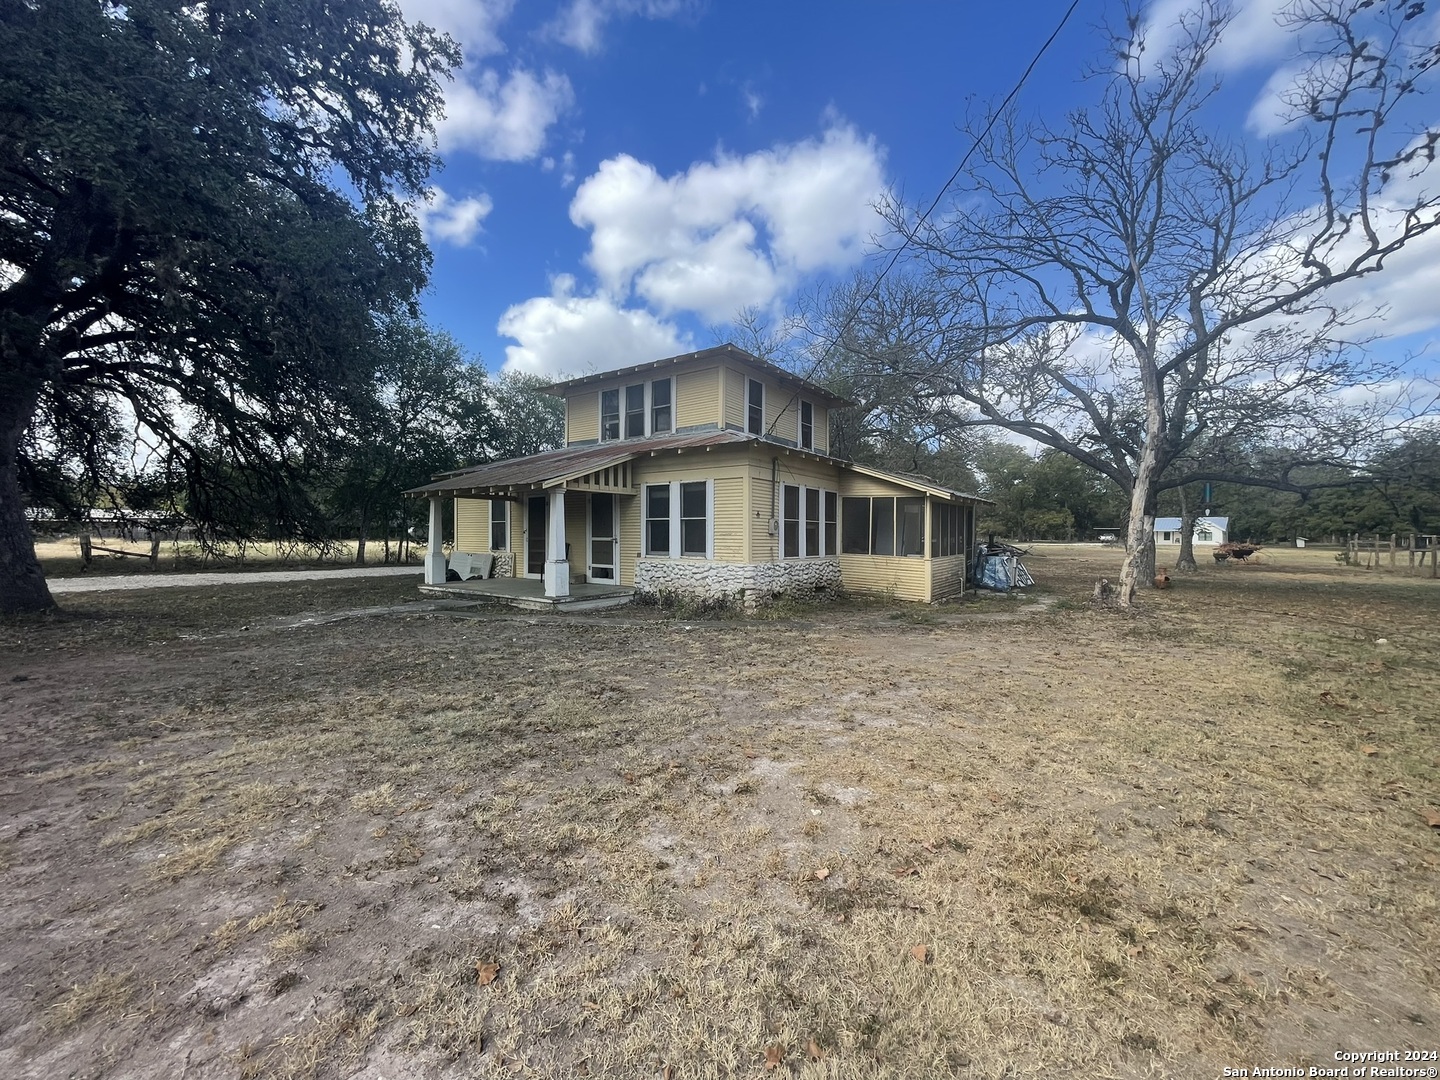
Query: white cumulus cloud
<point x="493" y="112"/>
<point x="581" y="24"/>
<point x="450" y="220"/>
<point x="504" y="119"/>
<point x="475" y="24"/>
<point x="566" y="334"/>
<point x="733" y="232"/>
<point x="1255" y="34"/>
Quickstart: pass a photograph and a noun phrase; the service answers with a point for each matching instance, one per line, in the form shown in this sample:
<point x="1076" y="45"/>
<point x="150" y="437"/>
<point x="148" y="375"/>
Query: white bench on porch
<point x="467" y="564"/>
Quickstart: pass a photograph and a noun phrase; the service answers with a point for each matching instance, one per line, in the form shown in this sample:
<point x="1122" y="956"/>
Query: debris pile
<point x="998" y="566"/>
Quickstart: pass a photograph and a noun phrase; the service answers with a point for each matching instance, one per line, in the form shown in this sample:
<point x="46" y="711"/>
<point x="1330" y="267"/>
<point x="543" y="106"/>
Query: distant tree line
<point x="428" y="409"/>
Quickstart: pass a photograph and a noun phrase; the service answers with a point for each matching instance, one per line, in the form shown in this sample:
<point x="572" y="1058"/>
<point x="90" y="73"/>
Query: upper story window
<point x="635" y="411"/>
<point x="661" y="418"/>
<point x="609" y="414"/>
<point x="807" y="426"/>
<point x="755" y="407"/>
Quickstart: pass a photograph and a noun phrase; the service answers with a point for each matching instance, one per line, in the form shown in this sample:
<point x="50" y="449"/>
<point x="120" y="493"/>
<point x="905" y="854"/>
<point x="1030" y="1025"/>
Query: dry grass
<point x="1009" y="836"/>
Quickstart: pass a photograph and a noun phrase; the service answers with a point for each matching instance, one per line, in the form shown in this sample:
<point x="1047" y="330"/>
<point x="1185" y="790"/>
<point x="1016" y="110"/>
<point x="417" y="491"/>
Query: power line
<point x="905" y="242"/>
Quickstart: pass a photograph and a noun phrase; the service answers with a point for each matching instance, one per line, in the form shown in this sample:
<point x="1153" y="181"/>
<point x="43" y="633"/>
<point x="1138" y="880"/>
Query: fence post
<point x="154" y="552"/>
<point x="1392" y="551"/>
<point x="1412" y="552"/>
<point x="84" y="551"/>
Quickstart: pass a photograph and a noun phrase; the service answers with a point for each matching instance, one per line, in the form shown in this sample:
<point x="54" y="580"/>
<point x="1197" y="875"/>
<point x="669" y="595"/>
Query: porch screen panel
<point x="694" y="519"/>
<point x="657" y="519"/>
<point x="882" y="526"/>
<point x="910" y="526"/>
<point x="855" y="534"/>
<point x="791" y="498"/>
<point x="832" y="512"/>
<point x="812" y="521"/>
<point x="609" y="414"/>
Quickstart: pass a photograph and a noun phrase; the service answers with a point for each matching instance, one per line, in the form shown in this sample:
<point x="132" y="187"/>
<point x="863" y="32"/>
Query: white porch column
<point x="434" y="550"/>
<point x="557" y="567"/>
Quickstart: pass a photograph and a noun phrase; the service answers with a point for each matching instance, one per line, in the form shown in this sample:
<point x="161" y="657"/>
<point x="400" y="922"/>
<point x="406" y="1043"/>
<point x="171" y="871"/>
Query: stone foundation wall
<point x="504" y="564"/>
<point x="747" y="583"/>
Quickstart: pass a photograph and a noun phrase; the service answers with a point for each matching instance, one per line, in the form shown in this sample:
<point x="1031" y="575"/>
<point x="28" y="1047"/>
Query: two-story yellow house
<point x="706" y="474"/>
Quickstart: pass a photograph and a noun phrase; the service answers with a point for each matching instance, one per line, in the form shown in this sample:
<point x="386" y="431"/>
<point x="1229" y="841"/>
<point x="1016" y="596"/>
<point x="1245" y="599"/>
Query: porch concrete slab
<point x="529" y="594"/>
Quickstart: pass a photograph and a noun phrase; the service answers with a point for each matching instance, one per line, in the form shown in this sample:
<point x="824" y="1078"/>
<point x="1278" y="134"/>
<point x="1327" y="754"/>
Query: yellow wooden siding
<point x="734" y="399"/>
<point x="472" y="525"/>
<point x="822" y="429"/>
<point x="727" y="469"/>
<point x="906" y="578"/>
<point x="789" y="468"/>
<point x="577" y="521"/>
<point x="782" y="412"/>
<point x="582" y="417"/>
<point x="855" y="484"/>
<point x="697" y="398"/>
<point x="627" y="509"/>
<point x="947" y="576"/>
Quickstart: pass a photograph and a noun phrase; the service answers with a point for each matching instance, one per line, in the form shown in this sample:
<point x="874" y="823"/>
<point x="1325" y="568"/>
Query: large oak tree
<point x="1152" y="297"/>
<point x="203" y="209"/>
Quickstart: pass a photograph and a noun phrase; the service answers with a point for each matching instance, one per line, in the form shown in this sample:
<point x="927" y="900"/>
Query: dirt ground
<point x="246" y="835"/>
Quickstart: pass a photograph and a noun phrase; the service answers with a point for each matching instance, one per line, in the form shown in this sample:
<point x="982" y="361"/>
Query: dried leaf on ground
<point x="905" y="871"/>
<point x="1432" y="817"/>
<point x="822" y="873"/>
<point x="774" y="1055"/>
<point x="814" y="1050"/>
<point x="1369" y="751"/>
<point x="921" y="953"/>
<point x="486" y="972"/>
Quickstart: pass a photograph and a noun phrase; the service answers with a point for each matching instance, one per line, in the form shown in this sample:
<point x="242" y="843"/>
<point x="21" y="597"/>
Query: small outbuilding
<point x="1209" y="531"/>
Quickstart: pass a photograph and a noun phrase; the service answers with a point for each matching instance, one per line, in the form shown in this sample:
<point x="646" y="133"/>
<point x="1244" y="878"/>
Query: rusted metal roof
<point x="718" y="352"/>
<point x="555" y="466"/>
<point x="572" y="462"/>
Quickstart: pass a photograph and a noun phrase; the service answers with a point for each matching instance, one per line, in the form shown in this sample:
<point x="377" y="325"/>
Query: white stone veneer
<point x="504" y="564"/>
<point x="745" y="582"/>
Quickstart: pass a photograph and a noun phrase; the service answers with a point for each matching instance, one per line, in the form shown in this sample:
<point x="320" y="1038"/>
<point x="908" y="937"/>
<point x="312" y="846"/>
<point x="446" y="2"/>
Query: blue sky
<point x="621" y="175"/>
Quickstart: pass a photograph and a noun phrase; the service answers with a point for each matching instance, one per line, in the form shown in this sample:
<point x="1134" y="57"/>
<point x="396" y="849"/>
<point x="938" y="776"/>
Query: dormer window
<point x="635" y="411"/>
<point x="609" y="415"/>
<point x="807" y="426"/>
<point x="755" y="407"/>
<point x="660" y="415"/>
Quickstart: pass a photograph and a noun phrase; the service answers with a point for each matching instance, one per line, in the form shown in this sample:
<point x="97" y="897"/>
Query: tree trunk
<point x="1186" y="561"/>
<point x="22" y="582"/>
<point x="1138" y="569"/>
<point x="360" y="543"/>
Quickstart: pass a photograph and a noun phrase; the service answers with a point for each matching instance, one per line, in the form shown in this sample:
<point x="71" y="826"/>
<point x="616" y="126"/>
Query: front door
<point x="535" y="537"/>
<point x="603" y="541"/>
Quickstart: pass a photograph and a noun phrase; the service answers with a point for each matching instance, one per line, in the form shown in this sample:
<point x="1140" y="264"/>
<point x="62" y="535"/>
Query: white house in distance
<point x="1208" y="530"/>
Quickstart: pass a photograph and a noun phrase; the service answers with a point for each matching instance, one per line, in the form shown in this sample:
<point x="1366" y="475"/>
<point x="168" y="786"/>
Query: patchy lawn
<point x="1004" y="837"/>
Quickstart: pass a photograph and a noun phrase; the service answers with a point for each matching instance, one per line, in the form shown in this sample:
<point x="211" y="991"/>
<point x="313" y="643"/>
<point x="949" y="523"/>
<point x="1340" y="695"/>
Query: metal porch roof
<point x="556" y="466"/>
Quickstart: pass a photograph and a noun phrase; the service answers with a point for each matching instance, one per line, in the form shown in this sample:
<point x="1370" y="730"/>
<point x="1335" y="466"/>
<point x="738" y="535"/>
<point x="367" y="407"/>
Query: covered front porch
<point x="531" y="594"/>
<point x="537" y="487"/>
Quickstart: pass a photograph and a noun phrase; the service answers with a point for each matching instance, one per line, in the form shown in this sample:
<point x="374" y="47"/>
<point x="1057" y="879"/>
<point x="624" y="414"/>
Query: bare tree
<point x="1129" y="285"/>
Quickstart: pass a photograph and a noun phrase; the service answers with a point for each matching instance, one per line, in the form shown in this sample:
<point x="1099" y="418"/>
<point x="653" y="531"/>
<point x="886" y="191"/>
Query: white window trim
<point x="649" y="392"/>
<point x="505" y="503"/>
<point x="650" y="406"/>
<point x="822" y="553"/>
<point x="676" y="529"/>
<point x="600" y="415"/>
<point x="757" y="382"/>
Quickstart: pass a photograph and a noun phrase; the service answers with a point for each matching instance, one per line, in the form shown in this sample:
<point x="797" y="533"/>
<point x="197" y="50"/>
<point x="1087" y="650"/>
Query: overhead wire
<point x="905" y="242"/>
